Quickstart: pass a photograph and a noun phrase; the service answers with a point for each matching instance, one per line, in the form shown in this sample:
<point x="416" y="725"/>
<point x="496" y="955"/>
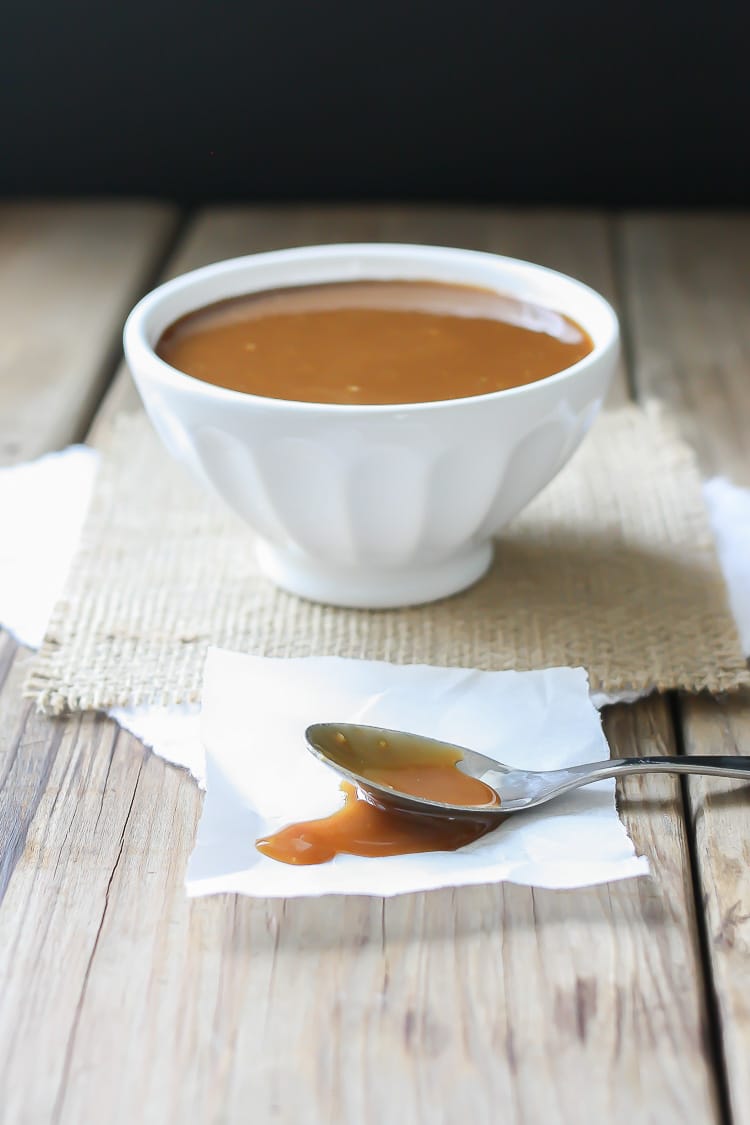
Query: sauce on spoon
<point x="365" y="827"/>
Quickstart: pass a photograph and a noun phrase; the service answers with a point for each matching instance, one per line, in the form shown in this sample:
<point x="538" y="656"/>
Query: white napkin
<point x="729" y="513"/>
<point x="173" y="733"/>
<point x="261" y="777"/>
<point x="42" y="508"/>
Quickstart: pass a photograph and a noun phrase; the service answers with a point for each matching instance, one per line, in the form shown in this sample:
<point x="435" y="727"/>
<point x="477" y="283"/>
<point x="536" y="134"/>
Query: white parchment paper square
<point x="260" y="776"/>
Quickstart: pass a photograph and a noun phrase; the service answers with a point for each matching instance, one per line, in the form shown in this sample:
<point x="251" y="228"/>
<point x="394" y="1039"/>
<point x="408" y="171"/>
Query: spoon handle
<point x="718" y="765"/>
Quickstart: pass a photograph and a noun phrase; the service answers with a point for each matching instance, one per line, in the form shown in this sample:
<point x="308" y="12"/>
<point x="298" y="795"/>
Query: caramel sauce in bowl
<point x="373" y="343"/>
<point x="378" y="504"/>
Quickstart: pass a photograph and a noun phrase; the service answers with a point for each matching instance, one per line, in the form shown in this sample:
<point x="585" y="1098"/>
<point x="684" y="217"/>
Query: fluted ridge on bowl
<point x="354" y="503"/>
<point x="381" y="505"/>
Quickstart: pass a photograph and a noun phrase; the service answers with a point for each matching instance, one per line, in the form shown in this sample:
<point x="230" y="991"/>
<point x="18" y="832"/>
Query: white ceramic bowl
<point x="373" y="506"/>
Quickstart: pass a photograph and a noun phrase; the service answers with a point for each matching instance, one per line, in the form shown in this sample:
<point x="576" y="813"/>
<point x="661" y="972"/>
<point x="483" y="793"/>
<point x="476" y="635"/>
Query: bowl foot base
<point x="372" y="589"/>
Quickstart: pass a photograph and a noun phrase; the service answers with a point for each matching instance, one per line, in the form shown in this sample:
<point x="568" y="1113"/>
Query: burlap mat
<point x="613" y="567"/>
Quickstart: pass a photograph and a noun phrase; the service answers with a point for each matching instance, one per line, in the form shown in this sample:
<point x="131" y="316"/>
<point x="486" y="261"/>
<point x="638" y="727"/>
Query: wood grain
<point x="68" y="276"/>
<point x="490" y="1003"/>
<point x="719" y="820"/>
<point x="423" y="1008"/>
<point x="686" y="281"/>
<point x="687" y="286"/>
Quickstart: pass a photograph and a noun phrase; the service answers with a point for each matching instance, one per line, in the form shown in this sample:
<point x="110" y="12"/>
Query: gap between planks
<point x="543" y="237"/>
<point x="74" y="268"/>
<point x="688" y="290"/>
<point x="69" y="272"/>
<point x="568" y="964"/>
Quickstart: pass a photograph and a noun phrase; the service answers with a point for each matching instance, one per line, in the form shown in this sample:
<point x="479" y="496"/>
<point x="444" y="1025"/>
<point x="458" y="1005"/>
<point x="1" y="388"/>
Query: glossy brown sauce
<point x="362" y="828"/>
<point x="368" y="825"/>
<point x="373" y="342"/>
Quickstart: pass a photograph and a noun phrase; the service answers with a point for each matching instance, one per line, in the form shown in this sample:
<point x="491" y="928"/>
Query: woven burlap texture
<point x="613" y="567"/>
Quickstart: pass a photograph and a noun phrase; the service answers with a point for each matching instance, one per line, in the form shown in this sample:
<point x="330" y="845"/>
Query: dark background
<point x="608" y="102"/>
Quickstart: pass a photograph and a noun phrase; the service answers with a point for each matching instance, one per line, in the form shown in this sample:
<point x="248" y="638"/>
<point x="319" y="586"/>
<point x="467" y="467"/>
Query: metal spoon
<point x="518" y="789"/>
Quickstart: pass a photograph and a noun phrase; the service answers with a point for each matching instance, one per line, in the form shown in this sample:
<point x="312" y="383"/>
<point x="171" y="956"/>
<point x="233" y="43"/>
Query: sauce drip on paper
<point x="363" y="827"/>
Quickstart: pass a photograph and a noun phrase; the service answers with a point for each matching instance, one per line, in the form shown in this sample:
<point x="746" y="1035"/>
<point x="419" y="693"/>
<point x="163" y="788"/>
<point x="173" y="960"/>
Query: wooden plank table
<point x="123" y="1001"/>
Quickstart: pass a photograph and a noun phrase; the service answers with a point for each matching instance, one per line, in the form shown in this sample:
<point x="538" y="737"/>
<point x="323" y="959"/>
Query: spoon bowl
<point x="359" y="752"/>
<point x="379" y="761"/>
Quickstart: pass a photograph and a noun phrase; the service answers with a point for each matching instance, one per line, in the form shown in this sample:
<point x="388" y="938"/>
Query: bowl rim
<point x="138" y="350"/>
